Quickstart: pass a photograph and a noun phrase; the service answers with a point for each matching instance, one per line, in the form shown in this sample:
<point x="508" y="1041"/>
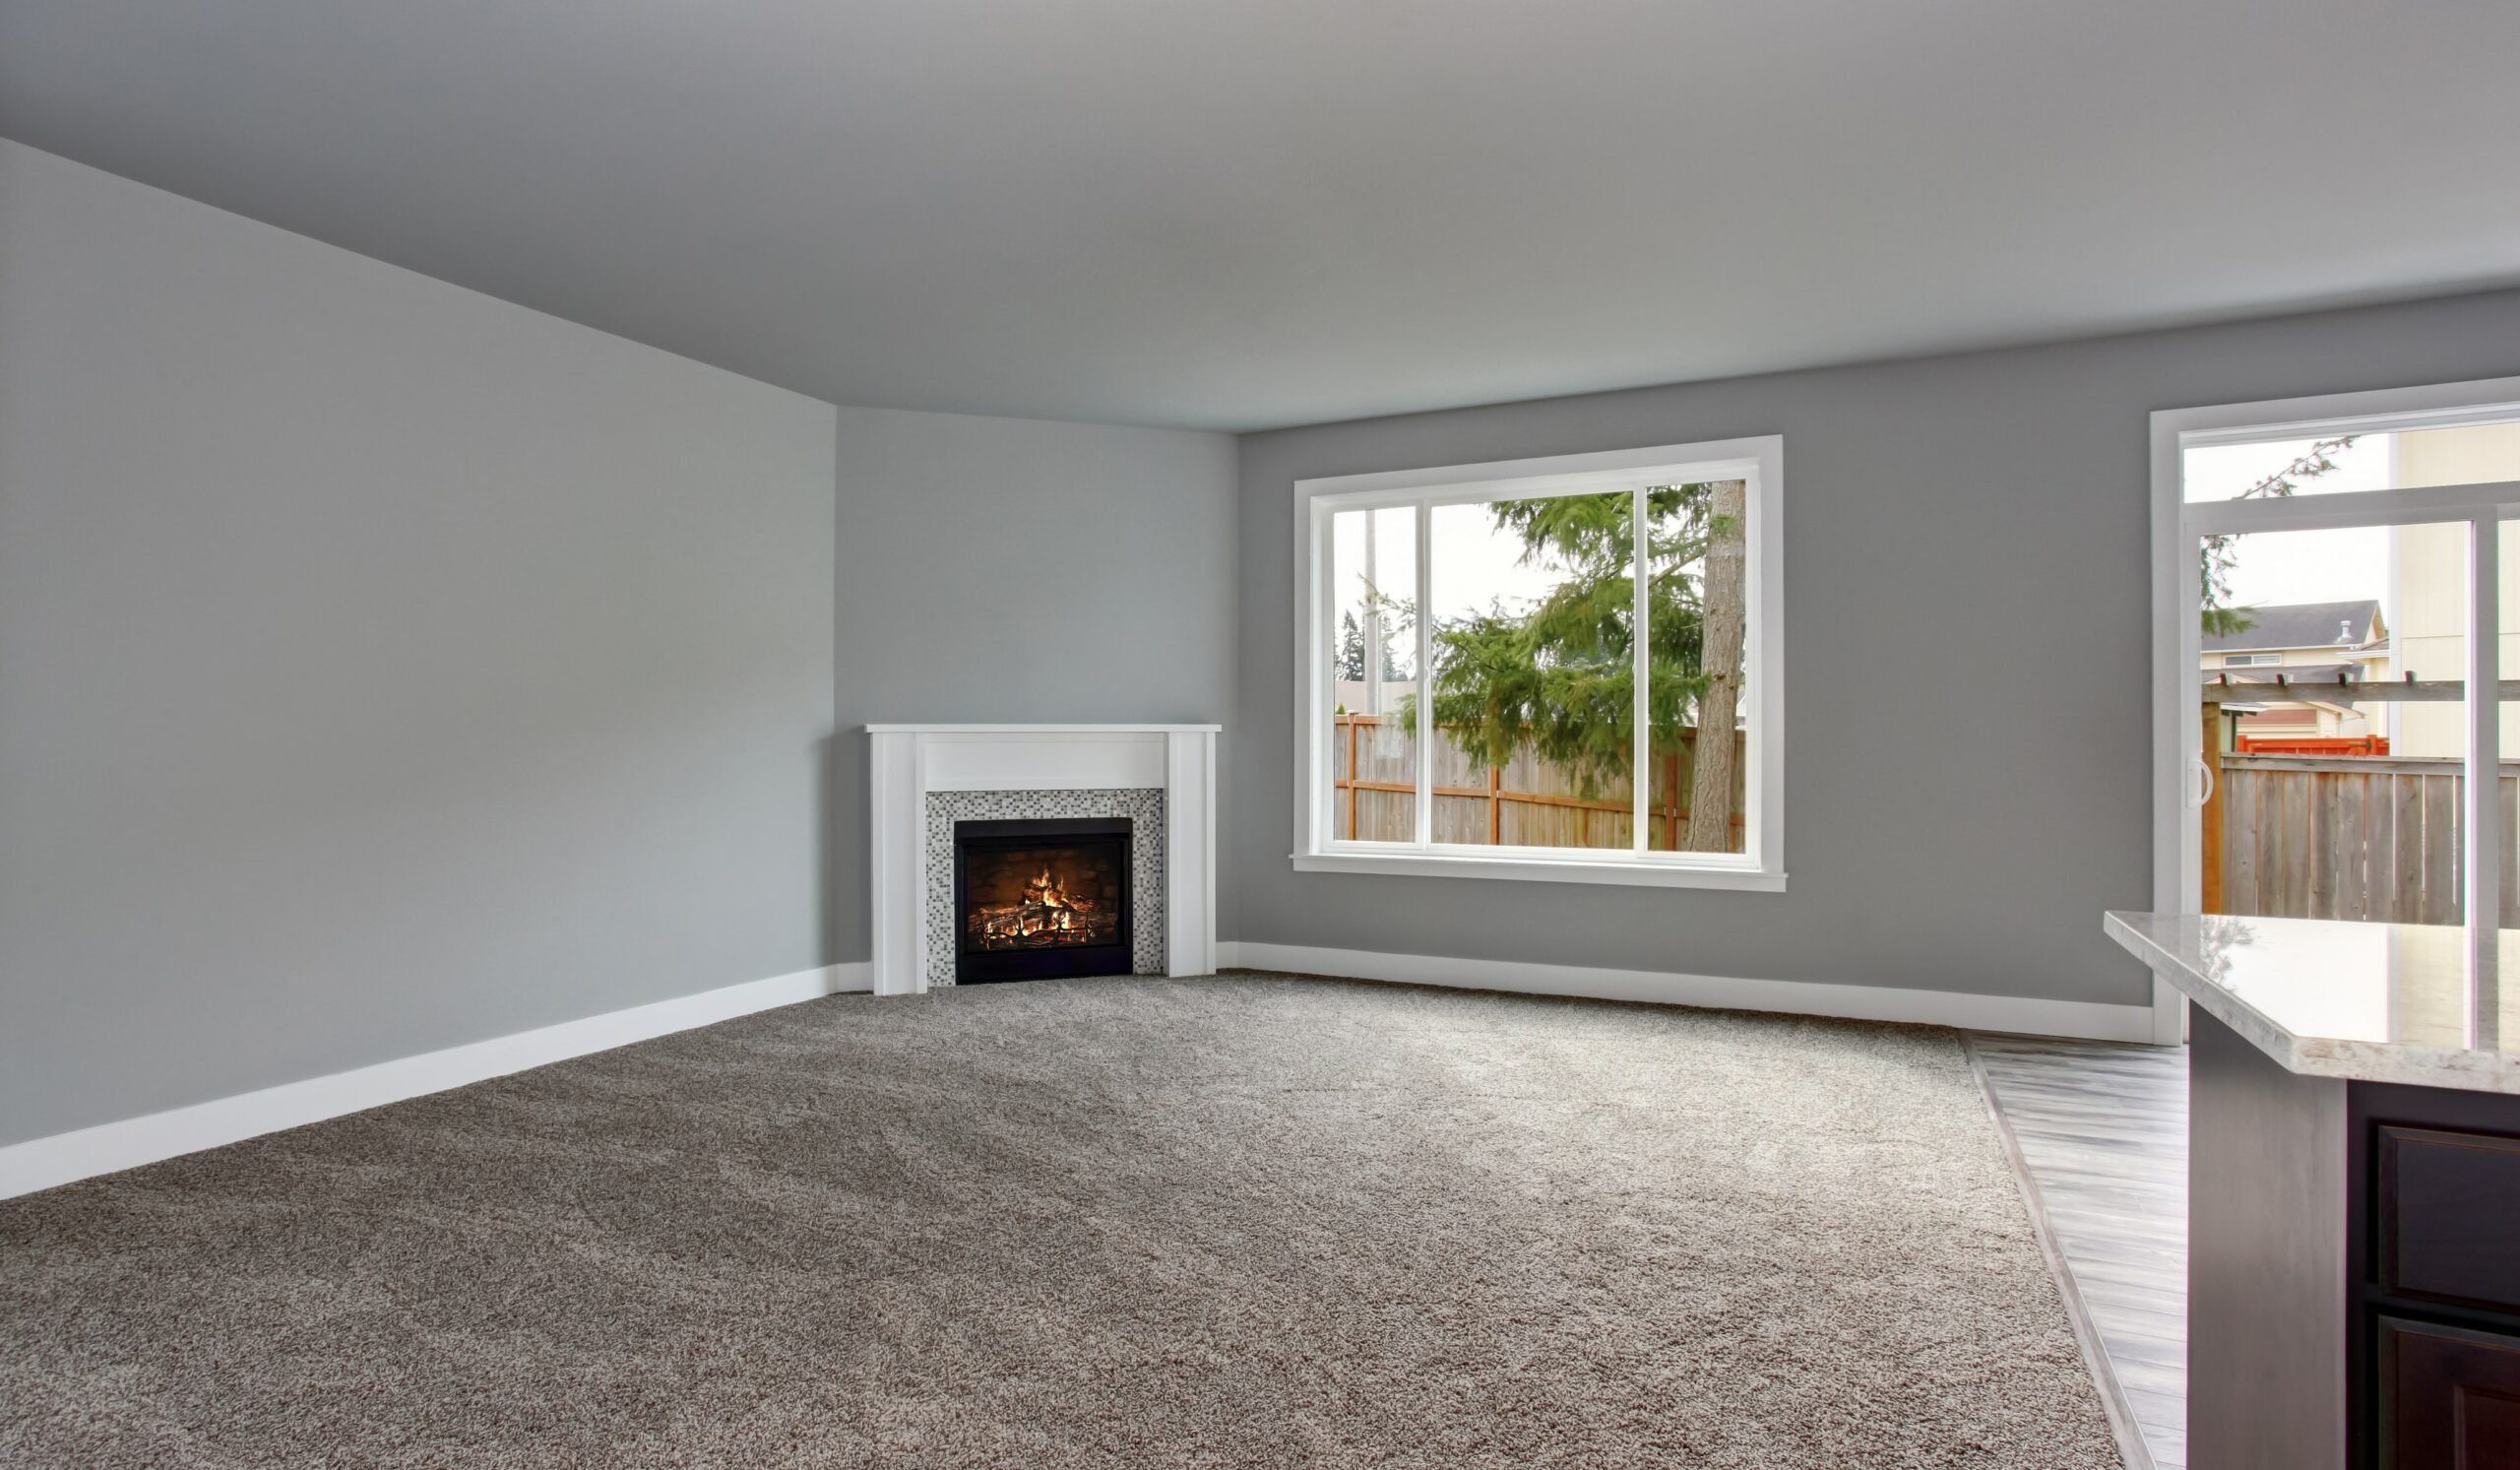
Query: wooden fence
<point x="2348" y="837"/>
<point x="1525" y="802"/>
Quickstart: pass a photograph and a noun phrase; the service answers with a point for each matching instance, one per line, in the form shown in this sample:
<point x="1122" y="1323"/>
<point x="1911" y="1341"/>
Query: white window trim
<point x="1759" y="868"/>
<point x="2177" y="638"/>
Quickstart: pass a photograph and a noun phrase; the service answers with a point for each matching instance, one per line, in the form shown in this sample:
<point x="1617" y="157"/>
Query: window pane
<point x="2473" y="454"/>
<point x="1698" y="626"/>
<point x="2332" y="801"/>
<point x="2288" y="467"/>
<point x="2431" y="738"/>
<point x="1534" y="607"/>
<point x="2478" y="454"/>
<point x="1373" y="659"/>
<point x="2470" y="453"/>
<point x="2508" y="792"/>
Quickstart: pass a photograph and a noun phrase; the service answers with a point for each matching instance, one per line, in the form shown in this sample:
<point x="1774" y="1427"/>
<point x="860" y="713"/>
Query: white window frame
<point x="2178" y="792"/>
<point x="1760" y="866"/>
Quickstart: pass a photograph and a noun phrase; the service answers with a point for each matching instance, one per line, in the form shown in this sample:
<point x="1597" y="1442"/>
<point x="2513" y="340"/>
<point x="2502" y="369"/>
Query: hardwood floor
<point x="2099" y="1134"/>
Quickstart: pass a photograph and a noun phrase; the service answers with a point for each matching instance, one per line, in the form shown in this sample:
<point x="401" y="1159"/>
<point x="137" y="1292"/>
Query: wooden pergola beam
<point x="2346" y="691"/>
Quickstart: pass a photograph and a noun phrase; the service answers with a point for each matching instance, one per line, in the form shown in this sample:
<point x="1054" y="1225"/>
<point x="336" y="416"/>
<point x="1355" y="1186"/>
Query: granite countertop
<point x="2371" y="1003"/>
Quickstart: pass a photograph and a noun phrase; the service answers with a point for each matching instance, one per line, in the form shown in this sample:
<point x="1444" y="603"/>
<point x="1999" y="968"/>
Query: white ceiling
<point x="1246" y="213"/>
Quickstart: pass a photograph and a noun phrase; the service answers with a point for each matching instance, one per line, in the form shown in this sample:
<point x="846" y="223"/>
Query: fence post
<point x="1495" y="807"/>
<point x="2211" y="857"/>
<point x="1352" y="775"/>
<point x="1671" y="811"/>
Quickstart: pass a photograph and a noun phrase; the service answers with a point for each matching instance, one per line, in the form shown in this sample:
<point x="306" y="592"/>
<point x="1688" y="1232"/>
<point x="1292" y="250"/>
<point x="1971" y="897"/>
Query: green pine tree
<point x="1559" y="677"/>
<point x="1352" y="649"/>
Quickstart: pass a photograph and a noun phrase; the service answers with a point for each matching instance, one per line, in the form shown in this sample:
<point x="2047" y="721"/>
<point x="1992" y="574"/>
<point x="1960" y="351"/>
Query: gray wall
<point x="382" y="666"/>
<point x="1967" y="643"/>
<point x="1009" y="569"/>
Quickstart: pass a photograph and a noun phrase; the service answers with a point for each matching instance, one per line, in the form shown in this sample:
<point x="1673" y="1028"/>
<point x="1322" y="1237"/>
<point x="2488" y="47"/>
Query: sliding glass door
<point x="2338" y="600"/>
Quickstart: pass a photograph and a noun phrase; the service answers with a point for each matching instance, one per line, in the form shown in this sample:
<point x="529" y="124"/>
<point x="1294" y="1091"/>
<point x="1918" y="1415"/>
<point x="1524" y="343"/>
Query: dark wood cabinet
<point x="2435" y="1220"/>
<point x="2449" y="1397"/>
<point x="2446" y="1232"/>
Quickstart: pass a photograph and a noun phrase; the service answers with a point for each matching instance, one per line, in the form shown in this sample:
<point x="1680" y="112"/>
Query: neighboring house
<point x="2307" y="644"/>
<point x="2429" y="570"/>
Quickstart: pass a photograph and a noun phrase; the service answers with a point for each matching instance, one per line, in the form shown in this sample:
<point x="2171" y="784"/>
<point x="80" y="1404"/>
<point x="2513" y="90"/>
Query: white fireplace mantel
<point x="906" y="762"/>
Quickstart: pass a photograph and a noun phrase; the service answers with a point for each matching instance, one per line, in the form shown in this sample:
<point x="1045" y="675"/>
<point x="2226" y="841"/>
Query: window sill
<point x="1544" y="870"/>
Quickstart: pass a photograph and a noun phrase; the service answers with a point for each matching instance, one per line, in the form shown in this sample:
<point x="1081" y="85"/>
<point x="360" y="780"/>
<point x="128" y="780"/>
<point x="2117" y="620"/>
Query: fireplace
<point x="1043" y="897"/>
<point x="924" y="780"/>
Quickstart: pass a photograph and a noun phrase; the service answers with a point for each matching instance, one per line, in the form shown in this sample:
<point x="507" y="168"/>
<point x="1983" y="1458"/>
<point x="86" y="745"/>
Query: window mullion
<point x="1425" y="677"/>
<point x="1640" y="778"/>
<point x="2483" y="898"/>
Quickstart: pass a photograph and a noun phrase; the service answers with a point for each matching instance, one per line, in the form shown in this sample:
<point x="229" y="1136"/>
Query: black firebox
<point x="1036" y="898"/>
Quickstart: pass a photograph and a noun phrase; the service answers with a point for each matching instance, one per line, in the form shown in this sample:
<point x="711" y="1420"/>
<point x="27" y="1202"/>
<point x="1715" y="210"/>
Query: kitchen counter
<point x="2354" y="1175"/>
<point x="2411" y="1003"/>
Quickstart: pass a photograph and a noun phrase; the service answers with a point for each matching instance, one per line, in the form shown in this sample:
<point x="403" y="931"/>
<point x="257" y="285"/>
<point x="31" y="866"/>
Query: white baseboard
<point x="41" y="1162"/>
<point x="2080" y="1020"/>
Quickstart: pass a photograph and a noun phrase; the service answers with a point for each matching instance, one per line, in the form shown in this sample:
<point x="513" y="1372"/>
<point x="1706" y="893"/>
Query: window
<point x="1565" y="669"/>
<point x="2372" y="534"/>
<point x="2245" y="661"/>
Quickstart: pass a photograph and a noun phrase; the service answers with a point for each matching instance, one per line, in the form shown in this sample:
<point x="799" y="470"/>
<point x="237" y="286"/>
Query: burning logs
<point x="1048" y="915"/>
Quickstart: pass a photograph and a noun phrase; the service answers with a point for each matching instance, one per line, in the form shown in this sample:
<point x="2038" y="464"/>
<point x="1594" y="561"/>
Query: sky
<point x="1474" y="564"/>
<point x="2302" y="566"/>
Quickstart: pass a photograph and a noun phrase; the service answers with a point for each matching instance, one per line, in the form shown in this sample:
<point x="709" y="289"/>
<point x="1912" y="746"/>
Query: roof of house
<point x="2304" y="625"/>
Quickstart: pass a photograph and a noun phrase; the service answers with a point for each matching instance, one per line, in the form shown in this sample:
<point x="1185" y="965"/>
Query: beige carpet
<point x="1251" y="1221"/>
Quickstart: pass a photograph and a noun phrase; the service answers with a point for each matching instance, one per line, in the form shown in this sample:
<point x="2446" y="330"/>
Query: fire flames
<point x="1047" y="915"/>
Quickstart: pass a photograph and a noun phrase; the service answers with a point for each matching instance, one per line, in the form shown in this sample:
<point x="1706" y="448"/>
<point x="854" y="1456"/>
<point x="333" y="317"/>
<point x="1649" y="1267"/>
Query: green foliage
<point x="1559" y="677"/>
<point x="2224" y="623"/>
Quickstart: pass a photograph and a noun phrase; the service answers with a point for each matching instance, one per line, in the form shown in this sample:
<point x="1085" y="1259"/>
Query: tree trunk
<point x="1723" y="616"/>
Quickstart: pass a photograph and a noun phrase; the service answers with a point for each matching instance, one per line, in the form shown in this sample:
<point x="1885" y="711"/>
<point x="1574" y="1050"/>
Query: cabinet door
<point x="2445" y="1211"/>
<point x="2449" y="1398"/>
